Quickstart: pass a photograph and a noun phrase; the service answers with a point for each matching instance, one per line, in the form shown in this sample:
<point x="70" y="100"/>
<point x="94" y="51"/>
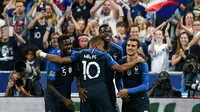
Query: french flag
<point x="163" y="8"/>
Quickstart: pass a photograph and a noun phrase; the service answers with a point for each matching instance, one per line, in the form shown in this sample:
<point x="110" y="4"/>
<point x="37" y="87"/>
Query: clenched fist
<point x="38" y="53"/>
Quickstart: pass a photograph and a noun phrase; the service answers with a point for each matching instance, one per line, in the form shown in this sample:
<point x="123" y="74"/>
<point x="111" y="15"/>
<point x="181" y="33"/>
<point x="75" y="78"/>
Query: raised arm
<point x="95" y="8"/>
<point x="169" y="44"/>
<point x="115" y="9"/>
<point x="46" y="34"/>
<point x="53" y="58"/>
<point x="20" y="39"/>
<point x="34" y="21"/>
<point x="126" y="66"/>
<point x="151" y="47"/>
<point x="194" y="40"/>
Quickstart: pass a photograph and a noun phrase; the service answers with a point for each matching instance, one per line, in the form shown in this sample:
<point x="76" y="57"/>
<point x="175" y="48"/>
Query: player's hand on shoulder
<point x="140" y="59"/>
<point x="69" y="104"/>
<point x="82" y="94"/>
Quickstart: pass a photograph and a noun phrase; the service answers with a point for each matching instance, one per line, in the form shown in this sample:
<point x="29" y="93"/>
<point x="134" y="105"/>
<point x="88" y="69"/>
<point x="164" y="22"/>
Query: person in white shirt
<point x="108" y="12"/>
<point x="159" y="51"/>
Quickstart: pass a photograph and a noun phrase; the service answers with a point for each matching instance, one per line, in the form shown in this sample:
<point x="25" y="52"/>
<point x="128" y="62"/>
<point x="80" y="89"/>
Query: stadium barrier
<point x="175" y="80"/>
<point x="30" y="104"/>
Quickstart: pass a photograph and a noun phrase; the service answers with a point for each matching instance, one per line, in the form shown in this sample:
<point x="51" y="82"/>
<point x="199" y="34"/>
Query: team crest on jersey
<point x="70" y="69"/>
<point x="52" y="73"/>
<point x="115" y="56"/>
<point x="129" y="72"/>
<point x="136" y="70"/>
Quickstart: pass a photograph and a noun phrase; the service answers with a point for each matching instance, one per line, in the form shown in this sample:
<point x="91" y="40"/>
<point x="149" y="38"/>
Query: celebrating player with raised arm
<point x="93" y="65"/>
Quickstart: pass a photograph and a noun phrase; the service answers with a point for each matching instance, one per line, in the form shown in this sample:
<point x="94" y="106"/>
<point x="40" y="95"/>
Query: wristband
<point x="43" y="54"/>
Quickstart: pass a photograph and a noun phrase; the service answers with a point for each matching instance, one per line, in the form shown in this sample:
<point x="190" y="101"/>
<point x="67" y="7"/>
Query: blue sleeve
<point x="51" y="72"/>
<point x="66" y="3"/>
<point x="52" y="67"/>
<point x="145" y="80"/>
<point x="118" y="81"/>
<point x="124" y="47"/>
<point x="109" y="60"/>
<point x="145" y="49"/>
<point x="75" y="56"/>
<point x="121" y="53"/>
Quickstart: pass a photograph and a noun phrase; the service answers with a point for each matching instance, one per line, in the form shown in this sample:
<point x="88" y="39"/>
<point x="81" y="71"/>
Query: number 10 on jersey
<point x="86" y="69"/>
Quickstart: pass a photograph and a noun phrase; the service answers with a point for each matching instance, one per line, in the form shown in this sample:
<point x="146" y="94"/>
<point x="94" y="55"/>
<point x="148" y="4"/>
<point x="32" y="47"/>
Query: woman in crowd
<point x="178" y="58"/>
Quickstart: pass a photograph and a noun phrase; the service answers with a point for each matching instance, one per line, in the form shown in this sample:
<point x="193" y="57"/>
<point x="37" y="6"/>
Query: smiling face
<point x="134" y="32"/>
<point x="66" y="45"/>
<point x="131" y="48"/>
<point x="189" y="19"/>
<point x="81" y="23"/>
<point x="106" y="32"/>
<point x="184" y="40"/>
<point x="54" y="39"/>
<point x="49" y="10"/>
<point x="196" y="25"/>
<point x="159" y="35"/>
<point x="70" y="27"/>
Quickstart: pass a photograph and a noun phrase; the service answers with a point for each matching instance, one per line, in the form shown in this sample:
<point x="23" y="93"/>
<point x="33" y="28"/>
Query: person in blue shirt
<point x="135" y="9"/>
<point x="59" y="79"/>
<point x="116" y="52"/>
<point x="93" y="63"/>
<point x="133" y="90"/>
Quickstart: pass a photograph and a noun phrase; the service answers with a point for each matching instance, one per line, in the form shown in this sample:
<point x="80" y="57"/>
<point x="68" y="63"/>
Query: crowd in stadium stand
<point x="35" y="24"/>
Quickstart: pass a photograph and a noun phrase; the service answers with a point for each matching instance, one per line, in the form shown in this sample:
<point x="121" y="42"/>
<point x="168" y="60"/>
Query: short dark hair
<point x="32" y="48"/>
<point x="18" y="1"/>
<point x="96" y="39"/>
<point x="121" y="24"/>
<point x="103" y="25"/>
<point x="63" y="37"/>
<point x="135" y="40"/>
<point x="132" y="26"/>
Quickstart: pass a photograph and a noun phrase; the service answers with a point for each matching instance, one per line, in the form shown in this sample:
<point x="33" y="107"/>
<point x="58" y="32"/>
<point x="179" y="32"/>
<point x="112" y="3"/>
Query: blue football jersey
<point x="93" y="64"/>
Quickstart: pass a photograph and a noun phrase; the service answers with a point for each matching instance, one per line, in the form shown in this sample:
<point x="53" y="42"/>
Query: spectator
<point x="9" y="8"/>
<point x="40" y="28"/>
<point x="19" y="14"/>
<point x="18" y="86"/>
<point x="49" y="8"/>
<point x="8" y="46"/>
<point x="2" y="24"/>
<point x="121" y="33"/>
<point x="108" y="12"/>
<point x="195" y="8"/>
<point x="83" y="42"/>
<point x="163" y="87"/>
<point x="135" y="9"/>
<point x="159" y="51"/>
<point x="141" y="22"/>
<point x="134" y="33"/>
<point x="18" y="26"/>
<point x="29" y="53"/>
<point x="186" y="23"/>
<point x="92" y="28"/>
<point x="194" y="45"/>
<point x="178" y="58"/>
<point x="81" y="9"/>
